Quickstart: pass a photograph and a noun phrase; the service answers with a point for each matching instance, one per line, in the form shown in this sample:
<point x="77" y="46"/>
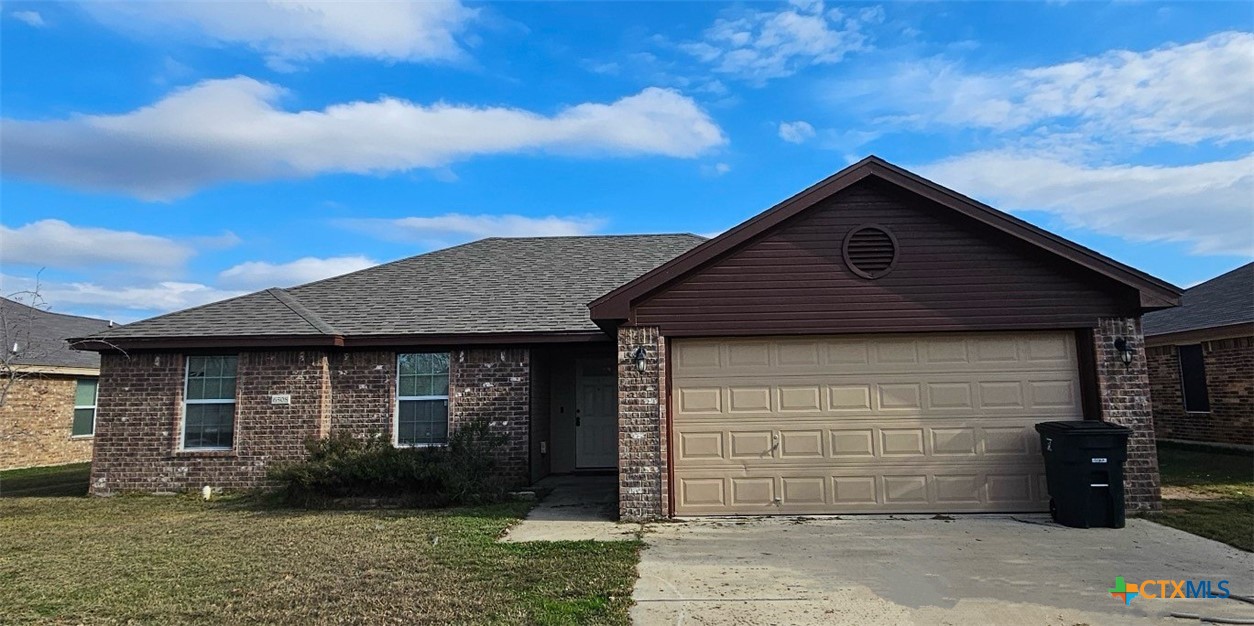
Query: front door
<point x="596" y="414"/>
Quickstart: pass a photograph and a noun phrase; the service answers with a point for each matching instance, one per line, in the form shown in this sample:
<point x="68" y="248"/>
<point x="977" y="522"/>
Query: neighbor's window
<point x="84" y="408"/>
<point x="209" y="409"/>
<point x="422" y="399"/>
<point x="1193" y="378"/>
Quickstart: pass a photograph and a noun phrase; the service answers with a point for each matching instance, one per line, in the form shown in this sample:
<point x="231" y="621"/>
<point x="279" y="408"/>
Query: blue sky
<point x="156" y="156"/>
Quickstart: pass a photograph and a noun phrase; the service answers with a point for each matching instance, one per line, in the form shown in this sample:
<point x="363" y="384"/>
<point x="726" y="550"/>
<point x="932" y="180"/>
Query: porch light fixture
<point x="638" y="358"/>
<point x="1125" y="350"/>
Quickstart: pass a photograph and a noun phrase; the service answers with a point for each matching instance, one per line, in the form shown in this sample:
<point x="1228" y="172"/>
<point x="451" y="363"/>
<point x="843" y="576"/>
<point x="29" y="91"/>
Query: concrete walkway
<point x="920" y="570"/>
<point x="578" y="508"/>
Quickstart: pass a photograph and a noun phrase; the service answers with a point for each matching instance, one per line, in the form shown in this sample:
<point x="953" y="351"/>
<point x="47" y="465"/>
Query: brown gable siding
<point x="951" y="274"/>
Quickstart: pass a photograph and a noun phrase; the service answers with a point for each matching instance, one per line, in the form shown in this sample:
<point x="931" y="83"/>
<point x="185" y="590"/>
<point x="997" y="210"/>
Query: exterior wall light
<point x="638" y="357"/>
<point x="1125" y="350"/>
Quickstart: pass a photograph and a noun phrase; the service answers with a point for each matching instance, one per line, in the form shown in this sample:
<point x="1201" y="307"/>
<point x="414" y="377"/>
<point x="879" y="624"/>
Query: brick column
<point x="1125" y="395"/>
<point x="642" y="436"/>
<point x="496" y="383"/>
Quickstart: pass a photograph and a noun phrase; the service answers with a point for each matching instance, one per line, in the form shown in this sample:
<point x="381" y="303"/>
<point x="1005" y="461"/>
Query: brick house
<point x="48" y="406"/>
<point x="876" y="343"/>
<point x="1201" y="362"/>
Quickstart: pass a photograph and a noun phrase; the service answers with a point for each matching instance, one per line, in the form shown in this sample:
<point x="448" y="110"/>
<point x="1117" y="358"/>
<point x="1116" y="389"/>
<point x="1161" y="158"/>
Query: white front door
<point x="596" y="415"/>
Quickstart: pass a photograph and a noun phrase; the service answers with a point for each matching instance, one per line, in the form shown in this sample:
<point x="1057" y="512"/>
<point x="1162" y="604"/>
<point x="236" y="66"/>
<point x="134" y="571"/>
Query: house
<point x="876" y="343"/>
<point x="1201" y="362"/>
<point x="47" y="390"/>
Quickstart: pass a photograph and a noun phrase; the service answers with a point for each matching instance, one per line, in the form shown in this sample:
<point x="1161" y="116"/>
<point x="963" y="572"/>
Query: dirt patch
<point x="1186" y="493"/>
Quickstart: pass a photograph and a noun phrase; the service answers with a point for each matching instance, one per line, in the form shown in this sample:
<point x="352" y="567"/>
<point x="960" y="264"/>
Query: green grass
<point x="58" y="480"/>
<point x="178" y="560"/>
<point x="1208" y="493"/>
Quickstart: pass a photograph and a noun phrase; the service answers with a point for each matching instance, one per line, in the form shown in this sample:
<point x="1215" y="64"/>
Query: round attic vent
<point x="870" y="251"/>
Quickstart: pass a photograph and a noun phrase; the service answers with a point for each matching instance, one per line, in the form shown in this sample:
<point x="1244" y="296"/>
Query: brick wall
<point x="363" y="392"/>
<point x="642" y="437"/>
<point x="1229" y="367"/>
<point x="140" y="405"/>
<point x="495" y="383"/>
<point x="1125" y="400"/>
<point x="35" y="423"/>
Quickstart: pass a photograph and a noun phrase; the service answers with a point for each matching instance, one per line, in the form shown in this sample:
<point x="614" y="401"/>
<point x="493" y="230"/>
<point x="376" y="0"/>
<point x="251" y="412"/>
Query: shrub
<point x="343" y="466"/>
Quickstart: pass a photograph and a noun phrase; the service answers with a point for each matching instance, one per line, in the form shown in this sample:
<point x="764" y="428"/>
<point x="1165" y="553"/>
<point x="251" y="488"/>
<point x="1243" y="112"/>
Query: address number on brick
<point x="281" y="398"/>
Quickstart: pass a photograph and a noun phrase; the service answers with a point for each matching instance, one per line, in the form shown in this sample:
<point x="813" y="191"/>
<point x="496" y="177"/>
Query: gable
<point x="951" y="273"/>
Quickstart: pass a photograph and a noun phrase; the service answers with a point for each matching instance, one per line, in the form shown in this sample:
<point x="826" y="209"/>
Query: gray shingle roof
<point x="41" y="335"/>
<point x="1221" y="301"/>
<point x="496" y="285"/>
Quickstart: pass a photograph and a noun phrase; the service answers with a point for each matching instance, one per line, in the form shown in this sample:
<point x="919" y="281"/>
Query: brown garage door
<point x="871" y="424"/>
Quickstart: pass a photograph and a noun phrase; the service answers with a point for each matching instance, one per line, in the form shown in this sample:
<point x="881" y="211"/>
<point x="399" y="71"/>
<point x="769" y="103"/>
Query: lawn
<point x="179" y="560"/>
<point x="58" y="480"/>
<point x="1208" y="493"/>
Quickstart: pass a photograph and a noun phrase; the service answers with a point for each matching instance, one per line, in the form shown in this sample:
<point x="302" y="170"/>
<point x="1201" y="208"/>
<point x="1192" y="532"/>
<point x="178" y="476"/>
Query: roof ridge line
<point x="299" y="309"/>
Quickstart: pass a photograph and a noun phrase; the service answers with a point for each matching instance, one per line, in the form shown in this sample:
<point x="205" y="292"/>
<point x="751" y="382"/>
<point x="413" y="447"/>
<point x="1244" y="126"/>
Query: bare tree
<point x="23" y="346"/>
<point x="17" y="331"/>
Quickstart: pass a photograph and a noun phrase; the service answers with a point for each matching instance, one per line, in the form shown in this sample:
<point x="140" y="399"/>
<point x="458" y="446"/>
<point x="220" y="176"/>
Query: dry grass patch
<point x="177" y="560"/>
<point x="1208" y="492"/>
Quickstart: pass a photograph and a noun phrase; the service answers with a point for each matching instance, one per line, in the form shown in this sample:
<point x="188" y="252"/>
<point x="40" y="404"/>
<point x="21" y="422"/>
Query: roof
<point x="41" y="335"/>
<point x="494" y="286"/>
<point x="1221" y="301"/>
<point x="614" y="306"/>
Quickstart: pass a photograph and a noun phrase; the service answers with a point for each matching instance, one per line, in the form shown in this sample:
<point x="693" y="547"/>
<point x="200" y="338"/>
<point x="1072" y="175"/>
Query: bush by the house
<point x="342" y="467"/>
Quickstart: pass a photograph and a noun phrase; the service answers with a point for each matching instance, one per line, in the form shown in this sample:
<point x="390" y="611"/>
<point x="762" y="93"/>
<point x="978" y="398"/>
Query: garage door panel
<point x="763" y="442"/>
<point x="700" y="446"/>
<point x="974" y="352"/>
<point x="926" y="423"/>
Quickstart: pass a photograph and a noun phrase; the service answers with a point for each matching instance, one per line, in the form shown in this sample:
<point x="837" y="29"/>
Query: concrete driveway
<point x="922" y="570"/>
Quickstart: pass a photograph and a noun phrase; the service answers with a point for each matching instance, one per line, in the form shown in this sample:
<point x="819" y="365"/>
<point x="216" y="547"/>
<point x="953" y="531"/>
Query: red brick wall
<point x="642" y="436"/>
<point x="35" y="423"/>
<point x="363" y="391"/>
<point x="140" y="407"/>
<point x="1125" y="400"/>
<point x="1229" y="381"/>
<point x="495" y="383"/>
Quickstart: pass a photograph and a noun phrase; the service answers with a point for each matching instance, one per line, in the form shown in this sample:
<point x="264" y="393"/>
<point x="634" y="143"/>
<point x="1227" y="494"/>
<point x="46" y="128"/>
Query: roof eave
<point x="338" y="341"/>
<point x="123" y="344"/>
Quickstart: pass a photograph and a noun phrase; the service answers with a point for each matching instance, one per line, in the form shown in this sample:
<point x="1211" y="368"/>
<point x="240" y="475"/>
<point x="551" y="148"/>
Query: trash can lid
<point x="1083" y="427"/>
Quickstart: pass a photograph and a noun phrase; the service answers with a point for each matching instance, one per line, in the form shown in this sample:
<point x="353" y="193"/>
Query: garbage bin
<point x="1084" y="472"/>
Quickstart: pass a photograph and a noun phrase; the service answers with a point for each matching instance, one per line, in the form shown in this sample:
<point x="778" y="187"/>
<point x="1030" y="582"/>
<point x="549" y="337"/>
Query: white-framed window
<point x="209" y="403"/>
<point x="421" y="399"/>
<point x="85" y="392"/>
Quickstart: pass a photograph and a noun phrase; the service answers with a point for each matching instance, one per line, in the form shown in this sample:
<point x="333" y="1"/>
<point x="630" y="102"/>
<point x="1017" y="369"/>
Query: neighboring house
<point x="1201" y="357"/>
<point x="877" y="343"/>
<point x="49" y="391"/>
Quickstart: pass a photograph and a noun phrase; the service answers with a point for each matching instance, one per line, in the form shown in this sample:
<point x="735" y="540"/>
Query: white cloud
<point x="1178" y="93"/>
<point x="796" y="132"/>
<point x="458" y="227"/>
<point x="231" y="129"/>
<point x="289" y="32"/>
<point x="1208" y="206"/>
<point x="32" y="18"/>
<point x="57" y="244"/>
<point x="122" y="303"/>
<point x="760" y="45"/>
<point x="262" y="274"/>
<point x="715" y="170"/>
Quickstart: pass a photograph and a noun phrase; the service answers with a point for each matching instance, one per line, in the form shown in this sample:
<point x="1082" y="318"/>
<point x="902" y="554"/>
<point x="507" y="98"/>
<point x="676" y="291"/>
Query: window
<point x="209" y="409"/>
<point x="422" y="399"/>
<point x="84" y="408"/>
<point x="1193" y="378"/>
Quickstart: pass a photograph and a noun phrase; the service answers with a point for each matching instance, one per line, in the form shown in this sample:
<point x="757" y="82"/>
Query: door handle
<point x="578" y="421"/>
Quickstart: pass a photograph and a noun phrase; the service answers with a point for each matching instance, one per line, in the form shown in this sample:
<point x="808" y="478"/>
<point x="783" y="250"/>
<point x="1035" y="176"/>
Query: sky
<point x="160" y="155"/>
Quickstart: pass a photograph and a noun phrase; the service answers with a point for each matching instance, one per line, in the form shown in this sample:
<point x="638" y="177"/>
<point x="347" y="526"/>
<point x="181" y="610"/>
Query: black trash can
<point x="1084" y="472"/>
